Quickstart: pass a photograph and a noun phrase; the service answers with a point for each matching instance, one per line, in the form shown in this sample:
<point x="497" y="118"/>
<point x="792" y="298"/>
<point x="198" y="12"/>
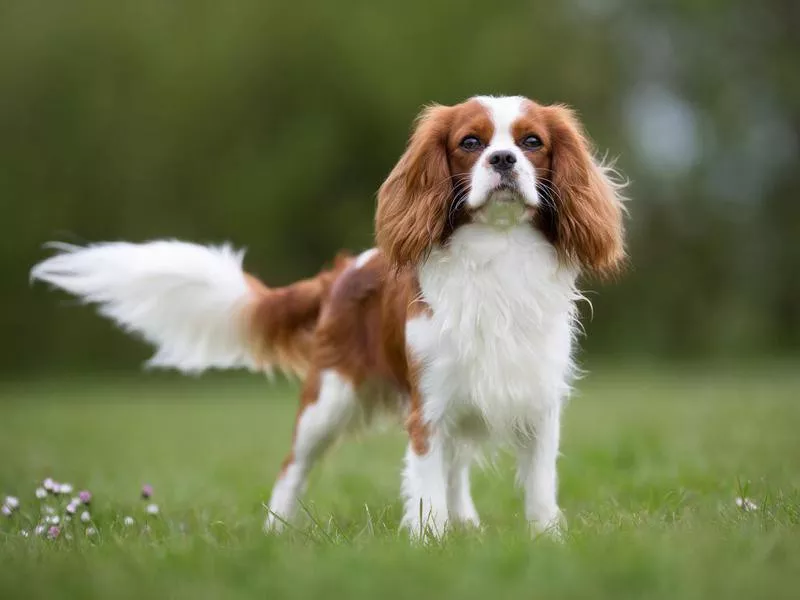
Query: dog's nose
<point x="502" y="160"/>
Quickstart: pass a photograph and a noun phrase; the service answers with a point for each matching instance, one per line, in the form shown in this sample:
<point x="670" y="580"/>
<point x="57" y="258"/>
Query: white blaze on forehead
<point x="504" y="111"/>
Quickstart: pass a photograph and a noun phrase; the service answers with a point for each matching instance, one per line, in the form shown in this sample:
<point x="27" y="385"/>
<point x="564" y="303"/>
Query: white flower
<point x="54" y="520"/>
<point x="72" y="508"/>
<point x="39" y="529"/>
<point x="24" y="533"/>
<point x="49" y="485"/>
<point x="6" y="510"/>
<point x="85" y="516"/>
<point x="12" y="502"/>
<point x="91" y="531"/>
<point x="48" y="510"/>
<point x="746" y="504"/>
<point x="41" y="493"/>
<point x="152" y="509"/>
<point x="65" y="488"/>
<point x="128" y="521"/>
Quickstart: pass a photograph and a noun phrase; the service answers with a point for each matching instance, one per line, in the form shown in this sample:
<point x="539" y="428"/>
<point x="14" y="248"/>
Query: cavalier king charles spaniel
<point x="461" y="321"/>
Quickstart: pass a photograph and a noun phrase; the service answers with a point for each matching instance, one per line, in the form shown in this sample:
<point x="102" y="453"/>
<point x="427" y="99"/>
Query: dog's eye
<point x="471" y="143"/>
<point x="531" y="142"/>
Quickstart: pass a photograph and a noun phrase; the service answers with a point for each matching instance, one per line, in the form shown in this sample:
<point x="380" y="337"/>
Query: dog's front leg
<point x="427" y="465"/>
<point x="537" y="458"/>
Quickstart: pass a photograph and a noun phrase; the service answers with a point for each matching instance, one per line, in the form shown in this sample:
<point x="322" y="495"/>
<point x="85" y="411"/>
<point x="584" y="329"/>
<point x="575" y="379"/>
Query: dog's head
<point x="503" y="162"/>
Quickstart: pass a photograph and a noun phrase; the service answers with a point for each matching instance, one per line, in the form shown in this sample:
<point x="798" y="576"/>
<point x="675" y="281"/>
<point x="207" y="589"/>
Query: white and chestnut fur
<point x="461" y="321"/>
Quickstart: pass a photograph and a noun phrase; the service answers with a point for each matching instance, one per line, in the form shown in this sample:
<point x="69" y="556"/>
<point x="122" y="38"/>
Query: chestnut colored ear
<point x="587" y="201"/>
<point x="414" y="200"/>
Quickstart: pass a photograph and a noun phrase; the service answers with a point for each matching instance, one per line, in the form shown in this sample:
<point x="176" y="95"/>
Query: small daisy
<point x="65" y="488"/>
<point x="54" y="520"/>
<point x="49" y="485"/>
<point x="6" y="510"/>
<point x="41" y="493"/>
<point x="91" y="531"/>
<point x="128" y="521"/>
<point x="53" y="532"/>
<point x="746" y="504"/>
<point x="48" y="510"/>
<point x="72" y="508"/>
<point x="152" y="509"/>
<point x="39" y="530"/>
<point x="85" y="516"/>
<point x="85" y="497"/>
<point x="12" y="502"/>
<point x="147" y="491"/>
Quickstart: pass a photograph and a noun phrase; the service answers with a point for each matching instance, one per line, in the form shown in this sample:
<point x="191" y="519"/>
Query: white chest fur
<point x="497" y="349"/>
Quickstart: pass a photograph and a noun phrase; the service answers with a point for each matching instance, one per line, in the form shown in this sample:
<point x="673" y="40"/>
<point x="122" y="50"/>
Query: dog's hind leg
<point x="328" y="406"/>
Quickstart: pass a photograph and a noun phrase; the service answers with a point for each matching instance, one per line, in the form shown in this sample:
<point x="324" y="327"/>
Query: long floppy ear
<point x="587" y="202"/>
<point x="414" y="200"/>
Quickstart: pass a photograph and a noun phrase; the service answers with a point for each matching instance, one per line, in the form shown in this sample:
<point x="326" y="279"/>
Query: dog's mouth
<point x="504" y="193"/>
<point x="505" y="207"/>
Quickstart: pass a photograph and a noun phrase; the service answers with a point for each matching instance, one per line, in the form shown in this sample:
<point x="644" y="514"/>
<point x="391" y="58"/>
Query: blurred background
<point x="272" y="124"/>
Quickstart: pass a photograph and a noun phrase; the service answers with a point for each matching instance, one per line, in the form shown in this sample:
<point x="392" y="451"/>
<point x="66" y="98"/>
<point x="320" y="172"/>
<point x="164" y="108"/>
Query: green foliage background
<point x="271" y="124"/>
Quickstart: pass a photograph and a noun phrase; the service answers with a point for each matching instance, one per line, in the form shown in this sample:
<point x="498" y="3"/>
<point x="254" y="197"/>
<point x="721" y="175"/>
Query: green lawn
<point x="652" y="464"/>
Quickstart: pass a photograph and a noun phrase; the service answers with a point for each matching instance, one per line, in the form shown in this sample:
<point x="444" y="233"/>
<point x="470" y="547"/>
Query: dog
<point x="462" y="320"/>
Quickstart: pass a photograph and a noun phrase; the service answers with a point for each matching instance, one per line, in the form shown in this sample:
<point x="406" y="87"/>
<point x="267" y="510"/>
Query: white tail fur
<point x="187" y="300"/>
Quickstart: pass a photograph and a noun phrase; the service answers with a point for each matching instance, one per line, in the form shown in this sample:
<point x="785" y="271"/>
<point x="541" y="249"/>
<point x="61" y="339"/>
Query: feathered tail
<point x="194" y="303"/>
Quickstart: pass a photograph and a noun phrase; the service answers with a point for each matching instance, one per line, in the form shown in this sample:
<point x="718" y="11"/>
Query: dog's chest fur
<point x="497" y="348"/>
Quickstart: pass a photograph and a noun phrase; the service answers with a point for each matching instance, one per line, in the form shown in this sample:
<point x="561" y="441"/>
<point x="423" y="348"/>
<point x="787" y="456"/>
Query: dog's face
<point x="502" y="162"/>
<point x="496" y="147"/>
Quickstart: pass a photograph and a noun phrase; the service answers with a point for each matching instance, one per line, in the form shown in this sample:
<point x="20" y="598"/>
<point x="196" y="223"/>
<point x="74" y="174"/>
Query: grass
<point x="652" y="463"/>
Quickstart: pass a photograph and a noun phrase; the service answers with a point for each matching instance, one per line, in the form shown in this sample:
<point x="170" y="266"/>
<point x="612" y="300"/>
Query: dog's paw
<point x="428" y="530"/>
<point x="273" y="524"/>
<point x="553" y="526"/>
